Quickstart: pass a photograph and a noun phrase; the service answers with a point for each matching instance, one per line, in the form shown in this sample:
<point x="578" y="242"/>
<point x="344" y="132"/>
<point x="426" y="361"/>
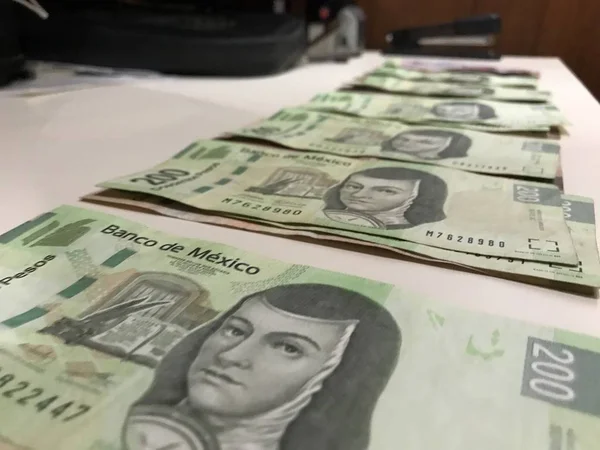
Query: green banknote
<point x="578" y="212"/>
<point x="478" y="114"/>
<point x="182" y="344"/>
<point x="442" y="146"/>
<point x="484" y="79"/>
<point x="579" y="215"/>
<point x="441" y="89"/>
<point x="431" y="205"/>
<point x="458" y="66"/>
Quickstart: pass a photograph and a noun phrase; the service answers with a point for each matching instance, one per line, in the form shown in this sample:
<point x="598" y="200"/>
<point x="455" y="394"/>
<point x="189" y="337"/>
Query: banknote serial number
<point x="260" y="207"/>
<point x="465" y="239"/>
<point x="23" y="393"/>
<point x="479" y="166"/>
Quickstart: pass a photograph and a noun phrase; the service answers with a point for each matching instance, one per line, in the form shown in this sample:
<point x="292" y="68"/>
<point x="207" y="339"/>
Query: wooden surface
<point x="566" y="29"/>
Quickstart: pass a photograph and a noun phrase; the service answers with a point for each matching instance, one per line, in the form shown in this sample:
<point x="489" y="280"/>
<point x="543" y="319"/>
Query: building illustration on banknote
<point x="140" y="319"/>
<point x="359" y="136"/>
<point x="305" y="182"/>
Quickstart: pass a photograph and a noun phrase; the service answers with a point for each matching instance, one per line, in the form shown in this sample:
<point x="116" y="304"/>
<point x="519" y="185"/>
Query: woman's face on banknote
<point x="259" y="359"/>
<point x="417" y="143"/>
<point x="368" y="194"/>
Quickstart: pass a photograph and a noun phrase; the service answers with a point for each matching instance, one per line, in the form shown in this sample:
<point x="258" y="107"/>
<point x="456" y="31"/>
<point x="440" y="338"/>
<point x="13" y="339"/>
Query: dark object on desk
<point x="472" y="37"/>
<point x="336" y="32"/>
<point x="170" y="38"/>
<point x="12" y="61"/>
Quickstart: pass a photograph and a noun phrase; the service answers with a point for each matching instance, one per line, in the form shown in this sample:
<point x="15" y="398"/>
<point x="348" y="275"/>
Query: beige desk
<point x="55" y="148"/>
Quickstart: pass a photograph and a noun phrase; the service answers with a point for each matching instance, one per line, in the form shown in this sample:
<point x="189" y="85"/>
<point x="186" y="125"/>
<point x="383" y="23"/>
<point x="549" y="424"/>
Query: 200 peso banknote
<point x="425" y="204"/>
<point x="174" y="336"/>
<point x="395" y="85"/>
<point x="481" y="115"/>
<point x="391" y="69"/>
<point x="474" y="151"/>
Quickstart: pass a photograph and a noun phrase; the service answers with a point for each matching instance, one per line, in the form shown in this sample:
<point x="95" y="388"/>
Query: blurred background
<point x="565" y="29"/>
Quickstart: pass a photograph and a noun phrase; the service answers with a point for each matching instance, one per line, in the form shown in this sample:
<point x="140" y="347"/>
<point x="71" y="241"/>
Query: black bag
<point x="168" y="41"/>
<point x="11" y="59"/>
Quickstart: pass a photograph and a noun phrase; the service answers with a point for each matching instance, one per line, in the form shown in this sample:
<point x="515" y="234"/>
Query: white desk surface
<point x="55" y="148"/>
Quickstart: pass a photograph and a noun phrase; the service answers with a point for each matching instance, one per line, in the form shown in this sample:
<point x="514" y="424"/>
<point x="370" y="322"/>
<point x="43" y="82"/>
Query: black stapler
<point x="472" y="37"/>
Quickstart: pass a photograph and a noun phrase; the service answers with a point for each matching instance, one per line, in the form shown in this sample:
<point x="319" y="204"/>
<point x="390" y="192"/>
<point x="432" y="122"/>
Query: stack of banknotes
<point x="440" y="165"/>
<point x="114" y="336"/>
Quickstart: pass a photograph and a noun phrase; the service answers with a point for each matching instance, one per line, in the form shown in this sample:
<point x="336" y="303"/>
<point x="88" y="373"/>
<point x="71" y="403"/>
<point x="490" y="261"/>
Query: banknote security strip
<point x="149" y="350"/>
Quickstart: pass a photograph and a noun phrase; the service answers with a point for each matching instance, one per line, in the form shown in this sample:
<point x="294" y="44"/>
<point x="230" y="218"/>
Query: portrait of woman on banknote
<point x="265" y="373"/>
<point x="388" y="198"/>
<point x="429" y="143"/>
<point x="463" y="111"/>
